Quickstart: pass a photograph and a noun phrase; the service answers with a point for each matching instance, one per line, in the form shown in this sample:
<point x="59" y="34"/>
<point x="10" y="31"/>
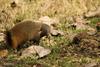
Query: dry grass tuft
<point x="34" y="9"/>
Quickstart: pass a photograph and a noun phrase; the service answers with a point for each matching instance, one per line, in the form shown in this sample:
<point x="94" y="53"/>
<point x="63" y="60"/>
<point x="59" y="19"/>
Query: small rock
<point x="28" y="52"/>
<point x="41" y="51"/>
<point x="91" y="31"/>
<point x="56" y="32"/>
<point x="32" y="50"/>
<point x="49" y="21"/>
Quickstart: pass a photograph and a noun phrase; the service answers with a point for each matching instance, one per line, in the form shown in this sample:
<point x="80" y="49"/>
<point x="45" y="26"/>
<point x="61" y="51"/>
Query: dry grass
<point x="34" y="9"/>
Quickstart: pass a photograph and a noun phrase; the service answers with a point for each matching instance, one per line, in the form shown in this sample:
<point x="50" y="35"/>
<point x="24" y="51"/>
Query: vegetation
<point x="60" y="9"/>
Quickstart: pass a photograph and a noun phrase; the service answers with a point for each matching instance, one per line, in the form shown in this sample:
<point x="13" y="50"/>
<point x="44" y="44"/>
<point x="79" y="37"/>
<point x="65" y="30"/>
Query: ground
<point x="64" y="53"/>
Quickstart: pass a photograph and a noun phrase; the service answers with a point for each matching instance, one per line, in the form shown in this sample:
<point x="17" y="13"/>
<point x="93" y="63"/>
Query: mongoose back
<point x="26" y="30"/>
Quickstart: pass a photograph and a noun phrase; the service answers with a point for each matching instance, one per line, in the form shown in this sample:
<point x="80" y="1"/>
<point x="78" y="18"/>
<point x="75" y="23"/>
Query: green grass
<point x="61" y="9"/>
<point x="94" y="20"/>
<point x="55" y="59"/>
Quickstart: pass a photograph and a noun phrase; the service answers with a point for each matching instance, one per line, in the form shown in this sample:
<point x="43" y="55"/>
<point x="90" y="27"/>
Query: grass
<point x="61" y="9"/>
<point x="55" y="59"/>
<point x="94" y="20"/>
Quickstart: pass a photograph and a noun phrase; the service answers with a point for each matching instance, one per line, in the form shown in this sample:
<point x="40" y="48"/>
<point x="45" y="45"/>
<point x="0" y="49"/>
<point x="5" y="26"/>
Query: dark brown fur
<point x="26" y="30"/>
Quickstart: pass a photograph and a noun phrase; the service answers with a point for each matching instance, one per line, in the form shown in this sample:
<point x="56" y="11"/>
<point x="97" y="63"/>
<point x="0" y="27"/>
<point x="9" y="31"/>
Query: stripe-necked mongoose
<point x="26" y="30"/>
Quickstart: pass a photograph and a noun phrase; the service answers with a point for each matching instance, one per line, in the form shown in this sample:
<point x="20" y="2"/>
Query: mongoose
<point x="26" y="30"/>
